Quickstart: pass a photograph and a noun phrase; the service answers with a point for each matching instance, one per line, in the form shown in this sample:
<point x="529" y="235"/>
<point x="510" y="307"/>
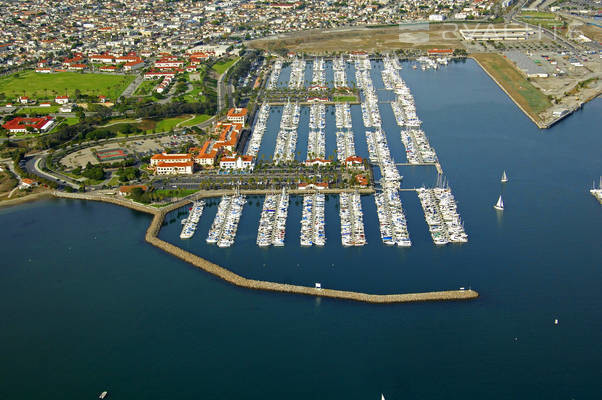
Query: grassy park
<point x="38" y="110"/>
<point x="196" y="120"/>
<point x="146" y="87"/>
<point x="520" y="90"/>
<point x="544" y="19"/>
<point x="222" y="66"/>
<point x="344" y="99"/>
<point x="47" y="86"/>
<point x="127" y="127"/>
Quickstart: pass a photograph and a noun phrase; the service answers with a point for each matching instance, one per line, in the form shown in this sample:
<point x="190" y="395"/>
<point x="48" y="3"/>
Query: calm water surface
<point x="88" y="306"/>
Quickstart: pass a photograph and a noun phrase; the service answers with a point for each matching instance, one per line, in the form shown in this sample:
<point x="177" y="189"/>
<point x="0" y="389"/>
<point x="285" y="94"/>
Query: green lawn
<point x="38" y="110"/>
<point x="148" y="125"/>
<point x="146" y="88"/>
<point x="71" y="121"/>
<point x="175" y="193"/>
<point x="222" y="66"/>
<point x="120" y="121"/>
<point x="537" y="14"/>
<point x="196" y="120"/>
<point x="114" y="181"/>
<point x="47" y="86"/>
<point x="547" y="20"/>
<point x="168" y="123"/>
<point x="516" y="85"/>
<point x="343" y="99"/>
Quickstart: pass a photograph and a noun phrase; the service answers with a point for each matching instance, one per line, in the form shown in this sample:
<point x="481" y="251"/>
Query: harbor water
<point x="88" y="306"/>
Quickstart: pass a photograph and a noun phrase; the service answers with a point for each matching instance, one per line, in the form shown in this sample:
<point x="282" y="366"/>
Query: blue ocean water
<point x="88" y="306"/>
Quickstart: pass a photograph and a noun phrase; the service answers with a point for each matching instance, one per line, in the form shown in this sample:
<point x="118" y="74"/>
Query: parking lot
<point x="138" y="147"/>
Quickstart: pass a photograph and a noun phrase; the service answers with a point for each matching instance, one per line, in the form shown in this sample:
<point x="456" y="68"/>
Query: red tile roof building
<point x="236" y="162"/>
<point x="448" y="52"/>
<point x="163" y="168"/>
<point x="354" y="162"/>
<point x="317" y="161"/>
<point x="238" y="115"/>
<point x="229" y="135"/>
<point x="20" y="124"/>
<point x="172" y="163"/>
<point x="103" y="58"/>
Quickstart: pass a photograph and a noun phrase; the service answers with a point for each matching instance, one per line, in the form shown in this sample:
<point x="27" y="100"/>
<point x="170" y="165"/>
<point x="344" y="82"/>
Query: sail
<point x="504" y="177"/>
<point x="500" y="203"/>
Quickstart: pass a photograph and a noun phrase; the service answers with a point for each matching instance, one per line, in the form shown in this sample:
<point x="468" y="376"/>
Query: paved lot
<point x="140" y="148"/>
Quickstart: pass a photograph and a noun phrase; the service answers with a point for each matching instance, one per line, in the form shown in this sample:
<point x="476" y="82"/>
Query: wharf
<point x="235" y="279"/>
<point x="310" y="103"/>
<point x="436" y="165"/>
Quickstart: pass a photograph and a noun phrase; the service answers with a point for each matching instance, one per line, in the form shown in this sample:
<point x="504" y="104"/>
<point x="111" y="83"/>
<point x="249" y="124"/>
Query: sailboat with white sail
<point x="500" y="204"/>
<point x="597" y="192"/>
<point x="504" y="177"/>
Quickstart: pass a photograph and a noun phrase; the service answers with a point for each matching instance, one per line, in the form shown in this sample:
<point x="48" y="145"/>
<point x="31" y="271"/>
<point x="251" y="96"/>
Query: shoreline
<point x="540" y="123"/>
<point x="26" y="199"/>
<point x="152" y="238"/>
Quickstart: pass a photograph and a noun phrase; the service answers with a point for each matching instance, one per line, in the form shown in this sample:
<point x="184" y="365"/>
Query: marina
<point x="318" y="79"/>
<point x="192" y="220"/>
<point x="286" y="141"/>
<point x="352" y="223"/>
<point x="169" y="300"/>
<point x="224" y="227"/>
<point x="312" y="220"/>
<point x="272" y="225"/>
<point x="316" y="143"/>
<point x="393" y="225"/>
<point x="258" y="130"/>
<point x="297" y="78"/>
<point x="440" y="212"/>
<point x="273" y="81"/>
<point x="345" y="140"/>
<point x="340" y="76"/>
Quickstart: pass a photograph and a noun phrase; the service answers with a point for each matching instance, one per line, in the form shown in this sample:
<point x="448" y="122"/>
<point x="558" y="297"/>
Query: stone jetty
<point x="235" y="279"/>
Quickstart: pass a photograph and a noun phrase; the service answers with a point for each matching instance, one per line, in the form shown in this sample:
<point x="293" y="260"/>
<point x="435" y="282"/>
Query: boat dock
<point x="312" y="220"/>
<point x="286" y="141"/>
<point x="352" y="223"/>
<point x="224" y="227"/>
<point x="316" y="142"/>
<point x="297" y="77"/>
<point x="258" y="130"/>
<point x="273" y="81"/>
<point x="344" y="135"/>
<point x="272" y="224"/>
<point x="440" y="212"/>
<point x="393" y="225"/>
<point x="192" y="220"/>
<point x="340" y="76"/>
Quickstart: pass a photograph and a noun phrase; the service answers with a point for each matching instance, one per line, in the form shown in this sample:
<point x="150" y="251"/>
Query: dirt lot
<point x="7" y="182"/>
<point x="367" y="39"/>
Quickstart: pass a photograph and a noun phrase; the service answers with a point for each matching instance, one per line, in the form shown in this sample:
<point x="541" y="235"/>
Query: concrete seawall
<point x="235" y="279"/>
<point x="539" y="124"/>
